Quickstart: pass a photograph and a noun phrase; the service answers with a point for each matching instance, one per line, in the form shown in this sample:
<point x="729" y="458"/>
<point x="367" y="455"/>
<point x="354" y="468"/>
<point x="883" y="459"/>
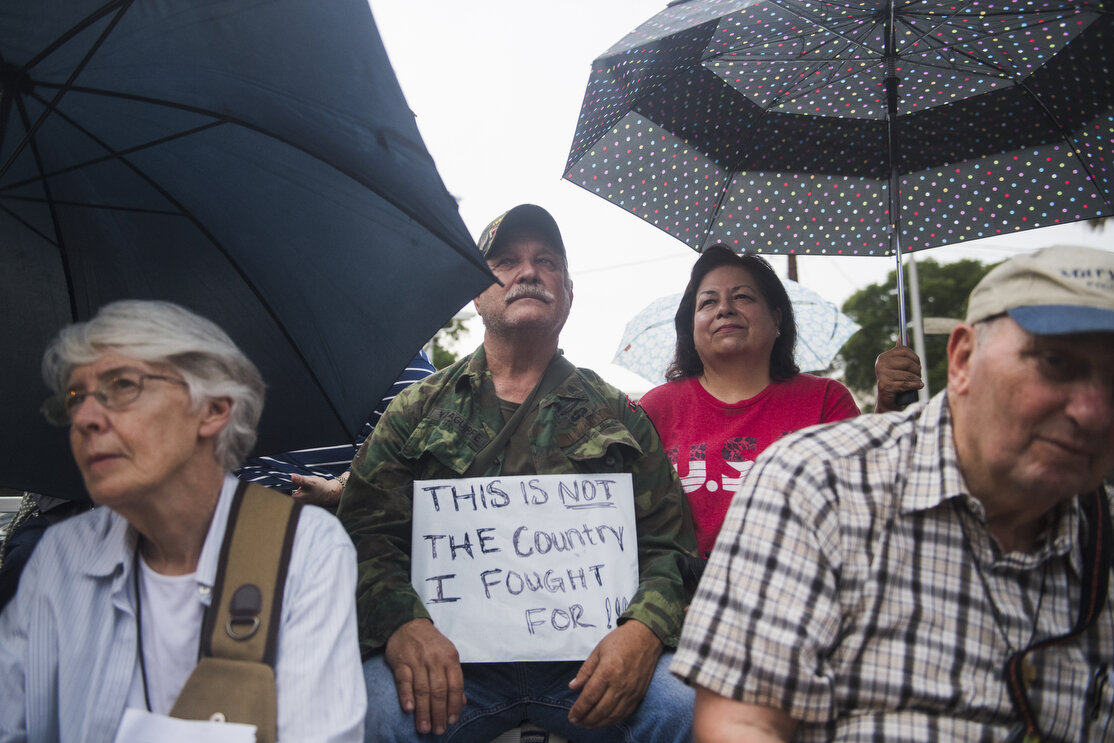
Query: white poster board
<point x="141" y="726"/>
<point x="525" y="568"/>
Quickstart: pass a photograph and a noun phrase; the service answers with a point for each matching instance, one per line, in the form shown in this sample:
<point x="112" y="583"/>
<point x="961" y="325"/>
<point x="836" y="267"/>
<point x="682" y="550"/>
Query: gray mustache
<point x="528" y="291"/>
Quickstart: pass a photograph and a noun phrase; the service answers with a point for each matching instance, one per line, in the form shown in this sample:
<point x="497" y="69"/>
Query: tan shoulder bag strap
<point x="243" y="620"/>
<point x="234" y="680"/>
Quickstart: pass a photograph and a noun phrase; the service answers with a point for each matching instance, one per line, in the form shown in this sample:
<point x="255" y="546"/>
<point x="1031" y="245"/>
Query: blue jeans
<point x="503" y="695"/>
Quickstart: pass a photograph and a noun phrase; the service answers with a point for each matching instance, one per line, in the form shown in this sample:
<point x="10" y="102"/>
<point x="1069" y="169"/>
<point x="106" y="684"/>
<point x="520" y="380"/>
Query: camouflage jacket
<point x="435" y="428"/>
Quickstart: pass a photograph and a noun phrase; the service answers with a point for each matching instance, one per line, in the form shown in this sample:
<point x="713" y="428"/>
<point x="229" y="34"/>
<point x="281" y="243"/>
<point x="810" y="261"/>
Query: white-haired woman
<point x="161" y="406"/>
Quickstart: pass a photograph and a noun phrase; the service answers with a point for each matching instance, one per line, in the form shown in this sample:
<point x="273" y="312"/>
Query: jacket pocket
<point x="448" y="437"/>
<point x="600" y="444"/>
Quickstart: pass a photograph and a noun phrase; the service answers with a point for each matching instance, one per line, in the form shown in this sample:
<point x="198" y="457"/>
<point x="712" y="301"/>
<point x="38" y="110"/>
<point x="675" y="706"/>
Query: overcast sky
<point x="496" y="87"/>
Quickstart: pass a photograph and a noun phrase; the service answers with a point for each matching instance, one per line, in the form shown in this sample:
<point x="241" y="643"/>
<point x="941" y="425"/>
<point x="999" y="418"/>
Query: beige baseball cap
<point x="1054" y="291"/>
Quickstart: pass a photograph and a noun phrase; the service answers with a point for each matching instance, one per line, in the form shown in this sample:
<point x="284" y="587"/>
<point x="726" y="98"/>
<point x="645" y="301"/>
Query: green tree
<point x="447" y="336"/>
<point x="944" y="289"/>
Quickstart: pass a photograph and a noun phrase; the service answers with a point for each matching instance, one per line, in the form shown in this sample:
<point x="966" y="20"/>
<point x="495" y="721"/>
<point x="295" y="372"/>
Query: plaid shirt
<point x="844" y="590"/>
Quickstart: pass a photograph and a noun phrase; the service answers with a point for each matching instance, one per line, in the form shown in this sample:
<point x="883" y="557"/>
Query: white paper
<point x="141" y="726"/>
<point x="525" y="568"/>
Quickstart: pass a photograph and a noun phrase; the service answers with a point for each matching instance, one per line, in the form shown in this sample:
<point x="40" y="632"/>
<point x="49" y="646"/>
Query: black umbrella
<point x="854" y="128"/>
<point x="254" y="160"/>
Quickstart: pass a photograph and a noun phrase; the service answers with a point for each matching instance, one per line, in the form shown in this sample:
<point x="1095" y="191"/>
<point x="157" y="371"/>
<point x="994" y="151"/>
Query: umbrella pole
<point x="892" y="82"/>
<point x="903" y="333"/>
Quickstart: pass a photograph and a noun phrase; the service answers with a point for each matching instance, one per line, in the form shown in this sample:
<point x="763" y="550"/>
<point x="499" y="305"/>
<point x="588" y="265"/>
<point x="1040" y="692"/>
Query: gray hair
<point x="166" y="333"/>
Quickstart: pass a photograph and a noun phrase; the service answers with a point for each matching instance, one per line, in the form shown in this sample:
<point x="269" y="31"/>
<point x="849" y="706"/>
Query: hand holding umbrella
<point x="899" y="374"/>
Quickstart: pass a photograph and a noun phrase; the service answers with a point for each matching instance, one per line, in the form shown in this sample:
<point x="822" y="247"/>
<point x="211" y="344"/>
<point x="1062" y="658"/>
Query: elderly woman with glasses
<point x="161" y="406"/>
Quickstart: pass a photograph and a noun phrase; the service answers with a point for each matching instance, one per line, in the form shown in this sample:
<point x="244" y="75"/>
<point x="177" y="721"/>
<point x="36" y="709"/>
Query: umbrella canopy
<point x="650" y="338"/>
<point x="853" y="128"/>
<point x="253" y="160"/>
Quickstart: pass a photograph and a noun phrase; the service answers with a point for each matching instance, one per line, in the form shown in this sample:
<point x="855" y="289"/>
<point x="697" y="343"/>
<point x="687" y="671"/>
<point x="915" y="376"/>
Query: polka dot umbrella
<point x="649" y="339"/>
<point x="854" y="128"/>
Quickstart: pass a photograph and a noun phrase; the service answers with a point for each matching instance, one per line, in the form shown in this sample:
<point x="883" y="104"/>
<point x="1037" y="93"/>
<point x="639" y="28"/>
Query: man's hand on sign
<point x="428" y="676"/>
<point x="614" y="678"/>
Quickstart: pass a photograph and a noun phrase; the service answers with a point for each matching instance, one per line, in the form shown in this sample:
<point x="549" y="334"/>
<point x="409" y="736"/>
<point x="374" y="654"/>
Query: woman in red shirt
<point x="733" y="386"/>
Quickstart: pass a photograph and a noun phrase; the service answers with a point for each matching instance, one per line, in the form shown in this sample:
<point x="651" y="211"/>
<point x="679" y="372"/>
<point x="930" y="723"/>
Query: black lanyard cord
<point x="139" y="629"/>
<point x="1093" y="589"/>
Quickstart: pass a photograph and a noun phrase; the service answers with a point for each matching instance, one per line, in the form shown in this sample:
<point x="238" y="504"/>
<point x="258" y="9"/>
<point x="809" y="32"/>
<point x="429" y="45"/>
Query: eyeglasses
<point x="112" y="392"/>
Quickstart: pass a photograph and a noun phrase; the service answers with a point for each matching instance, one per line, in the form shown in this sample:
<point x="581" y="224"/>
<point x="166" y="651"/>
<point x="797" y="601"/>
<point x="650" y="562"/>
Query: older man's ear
<point x="961" y="346"/>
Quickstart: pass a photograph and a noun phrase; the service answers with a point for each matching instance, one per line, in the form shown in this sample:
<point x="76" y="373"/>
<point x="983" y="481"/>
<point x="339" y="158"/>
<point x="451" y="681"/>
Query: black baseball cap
<point x="522" y="218"/>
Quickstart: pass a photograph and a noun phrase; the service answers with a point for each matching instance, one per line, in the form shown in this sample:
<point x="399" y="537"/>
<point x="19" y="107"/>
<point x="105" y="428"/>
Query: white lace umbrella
<point x="649" y="339"/>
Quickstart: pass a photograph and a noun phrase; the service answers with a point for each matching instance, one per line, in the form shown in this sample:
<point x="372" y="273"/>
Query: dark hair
<point x="686" y="362"/>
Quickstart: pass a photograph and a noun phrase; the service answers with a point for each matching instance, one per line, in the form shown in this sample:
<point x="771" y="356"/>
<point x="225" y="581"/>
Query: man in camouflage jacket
<point x="434" y="430"/>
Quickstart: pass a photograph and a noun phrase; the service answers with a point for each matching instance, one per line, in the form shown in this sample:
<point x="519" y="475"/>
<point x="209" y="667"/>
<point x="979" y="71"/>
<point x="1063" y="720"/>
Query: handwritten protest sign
<point x="525" y="568"/>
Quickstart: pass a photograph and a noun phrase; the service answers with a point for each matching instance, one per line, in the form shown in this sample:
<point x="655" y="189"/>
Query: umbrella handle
<point x="906" y="398"/>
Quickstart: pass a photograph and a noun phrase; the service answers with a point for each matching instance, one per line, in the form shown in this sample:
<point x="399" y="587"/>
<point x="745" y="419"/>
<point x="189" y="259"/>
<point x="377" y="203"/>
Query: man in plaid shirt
<point x="938" y="573"/>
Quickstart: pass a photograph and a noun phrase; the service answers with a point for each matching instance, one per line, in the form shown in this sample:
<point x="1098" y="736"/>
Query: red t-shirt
<point x="713" y="445"/>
